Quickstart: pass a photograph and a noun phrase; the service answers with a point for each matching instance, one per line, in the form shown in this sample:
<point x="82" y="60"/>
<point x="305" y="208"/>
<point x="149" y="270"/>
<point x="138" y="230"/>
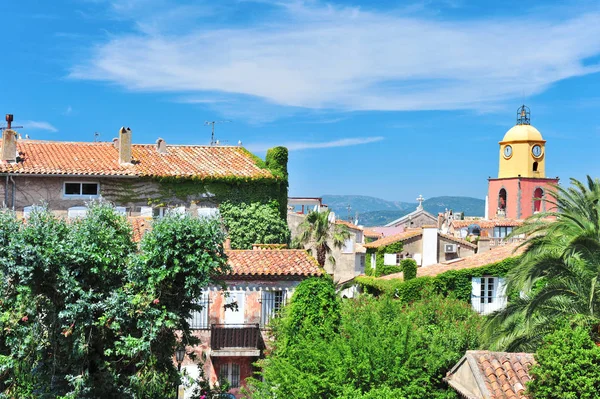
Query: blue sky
<point x="390" y="98"/>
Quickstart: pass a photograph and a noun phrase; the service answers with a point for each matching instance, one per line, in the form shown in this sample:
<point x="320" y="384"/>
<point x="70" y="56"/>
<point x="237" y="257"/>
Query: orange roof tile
<point x="471" y="262"/>
<point x="486" y="224"/>
<point x="394" y="238"/>
<point x="102" y="159"/>
<point x="501" y="374"/>
<point x="348" y="224"/>
<point x="372" y="233"/>
<point x="139" y="225"/>
<point x="276" y="262"/>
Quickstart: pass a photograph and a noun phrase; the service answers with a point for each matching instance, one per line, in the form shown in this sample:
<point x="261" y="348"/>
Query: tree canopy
<point x="318" y="231"/>
<point x="85" y="314"/>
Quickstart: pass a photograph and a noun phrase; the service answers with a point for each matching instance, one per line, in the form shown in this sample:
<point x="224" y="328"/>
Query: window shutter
<point x="475" y="287"/>
<point x="501" y="292"/>
<point x="389" y="259"/>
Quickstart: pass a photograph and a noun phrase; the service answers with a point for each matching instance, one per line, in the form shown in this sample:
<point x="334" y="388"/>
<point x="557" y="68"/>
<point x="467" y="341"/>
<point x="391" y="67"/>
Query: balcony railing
<point x="487" y="305"/>
<point x="234" y="336"/>
<point x="499" y="241"/>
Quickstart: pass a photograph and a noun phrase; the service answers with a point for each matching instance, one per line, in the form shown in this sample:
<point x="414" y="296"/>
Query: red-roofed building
<point x="67" y="175"/>
<point x="233" y="326"/>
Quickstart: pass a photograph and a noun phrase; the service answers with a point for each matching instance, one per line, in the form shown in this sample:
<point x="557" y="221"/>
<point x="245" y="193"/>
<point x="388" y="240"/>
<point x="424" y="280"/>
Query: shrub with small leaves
<point x="409" y="268"/>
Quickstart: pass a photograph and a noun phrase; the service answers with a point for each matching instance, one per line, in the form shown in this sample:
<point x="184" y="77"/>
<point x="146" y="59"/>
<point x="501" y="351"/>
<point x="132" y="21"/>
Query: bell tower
<point x="521" y="188"/>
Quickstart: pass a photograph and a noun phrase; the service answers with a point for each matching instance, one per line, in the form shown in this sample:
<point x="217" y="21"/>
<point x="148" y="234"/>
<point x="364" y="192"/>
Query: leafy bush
<point x="568" y="366"/>
<point x="385" y="270"/>
<point x="254" y="223"/>
<point x="84" y="314"/>
<point x="382" y="349"/>
<point x="409" y="267"/>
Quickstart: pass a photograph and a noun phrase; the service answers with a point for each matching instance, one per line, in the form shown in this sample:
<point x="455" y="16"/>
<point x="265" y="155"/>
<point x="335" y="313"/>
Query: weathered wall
<point x="463" y="250"/>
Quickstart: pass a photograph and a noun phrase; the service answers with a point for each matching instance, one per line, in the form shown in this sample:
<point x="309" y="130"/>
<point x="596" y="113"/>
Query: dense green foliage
<point x="254" y="223"/>
<point x="381" y="349"/>
<point x="84" y="314"/>
<point x="454" y="283"/>
<point x="568" y="366"/>
<point x="316" y="231"/>
<point x="409" y="268"/>
<point x="382" y="269"/>
<point x="558" y="273"/>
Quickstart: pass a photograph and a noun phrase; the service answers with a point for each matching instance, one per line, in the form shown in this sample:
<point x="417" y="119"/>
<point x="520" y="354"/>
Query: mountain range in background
<point x="378" y="212"/>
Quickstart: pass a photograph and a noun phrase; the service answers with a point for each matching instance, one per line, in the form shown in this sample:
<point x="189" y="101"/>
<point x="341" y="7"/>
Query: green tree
<point x="558" y="273"/>
<point x="84" y="314"/>
<point x="254" y="223"/>
<point x="568" y="366"/>
<point x="316" y="230"/>
<point x="409" y="268"/>
<point x="381" y="349"/>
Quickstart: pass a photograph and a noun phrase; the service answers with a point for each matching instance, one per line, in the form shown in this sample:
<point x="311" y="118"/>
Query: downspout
<point x="13" y="191"/>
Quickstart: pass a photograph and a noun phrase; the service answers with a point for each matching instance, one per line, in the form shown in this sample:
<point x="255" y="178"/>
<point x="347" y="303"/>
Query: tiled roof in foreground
<point x="273" y="262"/>
<point x="102" y="159"/>
<point x="487" y="224"/>
<point x="498" y="375"/>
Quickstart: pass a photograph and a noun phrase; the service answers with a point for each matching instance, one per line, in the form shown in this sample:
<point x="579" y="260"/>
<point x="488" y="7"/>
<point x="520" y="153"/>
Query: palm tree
<point x="557" y="276"/>
<point x="317" y="230"/>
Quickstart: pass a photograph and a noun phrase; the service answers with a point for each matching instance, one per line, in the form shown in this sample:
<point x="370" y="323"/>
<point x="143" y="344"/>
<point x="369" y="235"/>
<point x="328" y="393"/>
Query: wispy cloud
<point x="322" y="56"/>
<point x="39" y="125"/>
<point x="68" y="111"/>
<point x="307" y="145"/>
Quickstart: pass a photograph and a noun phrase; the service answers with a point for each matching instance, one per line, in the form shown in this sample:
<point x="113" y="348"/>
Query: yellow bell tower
<point x="522" y="150"/>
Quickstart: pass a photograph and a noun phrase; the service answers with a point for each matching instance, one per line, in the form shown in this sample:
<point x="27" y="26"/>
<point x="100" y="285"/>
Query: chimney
<point x="9" y="141"/>
<point x="124" y="145"/>
<point x="483" y="245"/>
<point x="430" y="245"/>
<point x="161" y="146"/>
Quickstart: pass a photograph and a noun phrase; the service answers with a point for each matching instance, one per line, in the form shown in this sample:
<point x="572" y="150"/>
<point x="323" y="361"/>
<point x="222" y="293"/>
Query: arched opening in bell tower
<point x="538" y="196"/>
<point x="502" y="202"/>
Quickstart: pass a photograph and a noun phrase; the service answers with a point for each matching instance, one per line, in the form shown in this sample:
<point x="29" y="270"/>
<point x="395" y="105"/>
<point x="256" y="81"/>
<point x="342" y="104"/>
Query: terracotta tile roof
<point x="282" y="262"/>
<point x="102" y="159"/>
<point x="394" y="238"/>
<point x="372" y="233"/>
<point x="348" y="224"/>
<point x="139" y="225"/>
<point x="499" y="375"/>
<point x="471" y="262"/>
<point x="486" y="224"/>
<point x="458" y="240"/>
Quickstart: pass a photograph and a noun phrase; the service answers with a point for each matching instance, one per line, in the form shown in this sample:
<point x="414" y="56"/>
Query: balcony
<point x="500" y="241"/>
<point x="235" y="340"/>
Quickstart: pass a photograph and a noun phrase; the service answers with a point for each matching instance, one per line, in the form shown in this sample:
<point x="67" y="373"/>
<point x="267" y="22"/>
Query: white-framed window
<point x="208" y="213"/>
<point x="362" y="260"/>
<point x="29" y="209"/>
<point x="81" y="189"/>
<point x="271" y="303"/>
<point x="502" y="231"/>
<point x="199" y="320"/>
<point x="234" y="310"/>
<point x="488" y="294"/>
<point x="77" y="212"/>
<point x="230" y="372"/>
<point x="389" y="259"/>
<point x="348" y="247"/>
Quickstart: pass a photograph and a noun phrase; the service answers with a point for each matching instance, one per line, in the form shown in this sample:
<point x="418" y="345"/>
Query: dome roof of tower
<point x="523" y="133"/>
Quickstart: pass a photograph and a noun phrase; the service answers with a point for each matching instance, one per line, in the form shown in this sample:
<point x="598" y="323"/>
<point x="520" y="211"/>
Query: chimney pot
<point x="124" y="145"/>
<point x="9" y="144"/>
<point x="161" y="146"/>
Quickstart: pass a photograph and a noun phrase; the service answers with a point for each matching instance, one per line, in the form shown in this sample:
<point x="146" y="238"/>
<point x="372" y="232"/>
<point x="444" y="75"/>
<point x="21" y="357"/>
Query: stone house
<point x="233" y="326"/>
<point x="496" y="230"/>
<point x="426" y="245"/>
<point x="140" y="179"/>
<point x="416" y="219"/>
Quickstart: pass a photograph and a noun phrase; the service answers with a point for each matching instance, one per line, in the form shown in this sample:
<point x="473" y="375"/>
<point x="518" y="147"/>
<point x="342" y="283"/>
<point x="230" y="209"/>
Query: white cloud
<point x="305" y="145"/>
<point x="68" y="111"/>
<point x="39" y="125"/>
<point x="323" y="56"/>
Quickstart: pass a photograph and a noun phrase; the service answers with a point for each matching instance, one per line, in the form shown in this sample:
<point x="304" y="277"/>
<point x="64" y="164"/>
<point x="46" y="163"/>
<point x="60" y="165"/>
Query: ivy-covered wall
<point x="380" y="268"/>
<point x="454" y="283"/>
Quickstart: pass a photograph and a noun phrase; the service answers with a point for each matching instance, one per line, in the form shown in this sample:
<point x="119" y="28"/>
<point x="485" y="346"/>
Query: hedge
<point x="454" y="283"/>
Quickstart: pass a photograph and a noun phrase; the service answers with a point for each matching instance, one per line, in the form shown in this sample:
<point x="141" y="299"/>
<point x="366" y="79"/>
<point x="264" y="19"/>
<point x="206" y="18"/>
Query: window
<point x="234" y="310"/>
<point x="77" y="212"/>
<point x="230" y="372"/>
<point x="348" y="246"/>
<point x="72" y="189"/>
<point x="488" y="294"/>
<point x="502" y="231"/>
<point x="362" y="261"/>
<point x="535" y="166"/>
<point x="200" y="318"/>
<point x="538" y="196"/>
<point x="272" y="302"/>
<point x="502" y="199"/>
<point x="487" y="289"/>
<point x="389" y="259"/>
<point x="399" y="258"/>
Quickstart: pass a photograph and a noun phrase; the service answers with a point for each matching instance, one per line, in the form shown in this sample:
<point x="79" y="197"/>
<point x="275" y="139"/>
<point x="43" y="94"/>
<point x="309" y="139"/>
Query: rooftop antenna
<point x="212" y="124"/>
<point x="9" y="126"/>
<point x="349" y="208"/>
<point x="96" y="137"/>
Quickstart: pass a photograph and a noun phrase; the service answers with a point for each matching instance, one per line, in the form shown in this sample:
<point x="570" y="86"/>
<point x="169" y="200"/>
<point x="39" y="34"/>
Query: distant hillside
<point x="377" y="212"/>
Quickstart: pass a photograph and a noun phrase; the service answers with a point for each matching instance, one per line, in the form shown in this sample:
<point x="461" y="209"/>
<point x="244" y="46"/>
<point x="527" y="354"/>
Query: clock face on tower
<point x="536" y="151"/>
<point x="507" y="151"/>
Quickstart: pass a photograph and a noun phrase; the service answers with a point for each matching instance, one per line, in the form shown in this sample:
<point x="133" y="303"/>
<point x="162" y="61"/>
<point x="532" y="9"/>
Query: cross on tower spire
<point x="420" y="200"/>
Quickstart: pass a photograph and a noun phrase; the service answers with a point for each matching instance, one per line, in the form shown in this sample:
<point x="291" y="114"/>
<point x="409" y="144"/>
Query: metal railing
<point x="200" y="319"/>
<point x="234" y="336"/>
<point x="487" y="305"/>
<point x="270" y="306"/>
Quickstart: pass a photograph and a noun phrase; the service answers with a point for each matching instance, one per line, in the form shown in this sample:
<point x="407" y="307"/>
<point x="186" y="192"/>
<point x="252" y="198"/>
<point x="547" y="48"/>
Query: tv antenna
<point x="9" y="126"/>
<point x="212" y="124"/>
<point x="96" y="137"/>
